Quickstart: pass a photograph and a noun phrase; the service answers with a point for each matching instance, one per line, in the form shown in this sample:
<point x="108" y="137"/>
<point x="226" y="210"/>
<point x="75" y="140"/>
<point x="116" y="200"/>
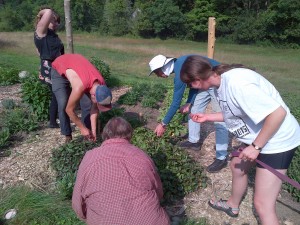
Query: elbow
<point x="283" y="112"/>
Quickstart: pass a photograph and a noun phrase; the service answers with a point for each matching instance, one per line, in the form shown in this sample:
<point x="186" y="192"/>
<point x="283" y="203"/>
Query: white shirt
<point x="246" y="99"/>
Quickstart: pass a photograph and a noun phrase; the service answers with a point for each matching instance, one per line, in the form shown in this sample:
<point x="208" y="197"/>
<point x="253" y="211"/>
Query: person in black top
<point x="49" y="47"/>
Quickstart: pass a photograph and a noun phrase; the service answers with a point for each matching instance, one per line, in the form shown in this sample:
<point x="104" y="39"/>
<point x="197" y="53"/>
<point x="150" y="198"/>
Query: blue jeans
<point x="62" y="90"/>
<point x="202" y="99"/>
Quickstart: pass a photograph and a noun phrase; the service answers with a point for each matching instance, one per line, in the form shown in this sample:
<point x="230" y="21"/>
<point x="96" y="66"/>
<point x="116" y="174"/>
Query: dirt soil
<point x="29" y="163"/>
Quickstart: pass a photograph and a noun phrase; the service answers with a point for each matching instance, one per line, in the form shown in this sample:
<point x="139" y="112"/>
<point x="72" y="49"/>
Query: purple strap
<point x="280" y="175"/>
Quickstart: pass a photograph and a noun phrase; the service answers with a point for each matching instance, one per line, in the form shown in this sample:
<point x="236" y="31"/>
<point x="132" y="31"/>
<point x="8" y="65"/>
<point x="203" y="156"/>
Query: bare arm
<point x="45" y="16"/>
<point x="271" y="125"/>
<point x="74" y="98"/>
<point x="203" y="117"/>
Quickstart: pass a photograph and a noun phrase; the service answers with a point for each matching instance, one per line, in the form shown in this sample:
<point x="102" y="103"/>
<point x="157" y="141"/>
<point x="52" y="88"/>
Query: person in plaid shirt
<point x="117" y="183"/>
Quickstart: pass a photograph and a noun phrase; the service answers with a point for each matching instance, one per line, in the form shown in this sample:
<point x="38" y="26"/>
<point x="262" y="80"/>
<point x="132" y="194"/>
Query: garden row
<point x="179" y="173"/>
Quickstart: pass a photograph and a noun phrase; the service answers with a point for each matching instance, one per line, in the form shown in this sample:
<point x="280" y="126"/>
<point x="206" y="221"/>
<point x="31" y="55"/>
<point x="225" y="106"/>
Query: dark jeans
<point x="62" y="90"/>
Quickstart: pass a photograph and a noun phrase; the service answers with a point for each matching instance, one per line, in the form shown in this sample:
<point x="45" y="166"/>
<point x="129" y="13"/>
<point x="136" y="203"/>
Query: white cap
<point x="158" y="62"/>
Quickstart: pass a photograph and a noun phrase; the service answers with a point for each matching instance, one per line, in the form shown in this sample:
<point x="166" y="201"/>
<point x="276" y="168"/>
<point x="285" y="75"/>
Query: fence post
<point x="68" y="25"/>
<point x="211" y="37"/>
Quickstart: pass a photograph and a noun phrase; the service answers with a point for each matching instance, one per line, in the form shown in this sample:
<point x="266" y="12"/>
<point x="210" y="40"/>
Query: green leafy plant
<point x="65" y="161"/>
<point x="148" y="94"/>
<point x="103" y="68"/>
<point x="19" y="119"/>
<point x="8" y="104"/>
<point x="8" y="76"/>
<point x="37" y="96"/>
<point x="179" y="173"/>
<point x="130" y="98"/>
<point x="4" y="137"/>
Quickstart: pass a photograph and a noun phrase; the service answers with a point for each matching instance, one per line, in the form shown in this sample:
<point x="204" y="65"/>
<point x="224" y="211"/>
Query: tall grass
<point x="37" y="208"/>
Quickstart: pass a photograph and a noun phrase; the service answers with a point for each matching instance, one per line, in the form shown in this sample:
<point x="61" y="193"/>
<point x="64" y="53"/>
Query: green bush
<point x="148" y="95"/>
<point x="103" y="68"/>
<point x="130" y="98"/>
<point x="65" y="161"/>
<point x="179" y="173"/>
<point x="8" y="76"/>
<point x="36" y="208"/>
<point x="19" y="119"/>
<point x="8" y="104"/>
<point x="4" y="137"/>
<point x="37" y="96"/>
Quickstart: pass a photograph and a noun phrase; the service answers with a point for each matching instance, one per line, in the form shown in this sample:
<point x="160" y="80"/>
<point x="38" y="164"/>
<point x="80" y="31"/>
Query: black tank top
<point x="50" y="46"/>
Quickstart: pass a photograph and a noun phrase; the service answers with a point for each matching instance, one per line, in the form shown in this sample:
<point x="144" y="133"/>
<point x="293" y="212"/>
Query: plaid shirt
<point x="117" y="184"/>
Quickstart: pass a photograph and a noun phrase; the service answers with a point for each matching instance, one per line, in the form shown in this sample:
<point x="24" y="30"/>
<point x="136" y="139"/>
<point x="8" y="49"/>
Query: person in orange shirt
<point x="88" y="88"/>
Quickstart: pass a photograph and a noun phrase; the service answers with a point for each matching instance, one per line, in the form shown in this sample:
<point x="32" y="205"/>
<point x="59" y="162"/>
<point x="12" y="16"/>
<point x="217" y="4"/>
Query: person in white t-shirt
<point x="255" y="113"/>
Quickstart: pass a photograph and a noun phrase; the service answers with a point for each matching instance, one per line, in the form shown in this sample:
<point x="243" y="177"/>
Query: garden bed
<point x="29" y="163"/>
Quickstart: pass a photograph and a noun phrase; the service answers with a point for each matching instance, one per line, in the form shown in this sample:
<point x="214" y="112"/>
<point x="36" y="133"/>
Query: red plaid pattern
<point x="117" y="184"/>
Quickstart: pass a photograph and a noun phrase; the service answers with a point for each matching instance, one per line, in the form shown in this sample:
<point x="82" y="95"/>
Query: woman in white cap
<point x="197" y="101"/>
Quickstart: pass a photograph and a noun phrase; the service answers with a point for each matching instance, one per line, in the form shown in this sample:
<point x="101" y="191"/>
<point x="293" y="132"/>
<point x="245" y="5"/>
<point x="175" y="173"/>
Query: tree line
<point x="264" y="22"/>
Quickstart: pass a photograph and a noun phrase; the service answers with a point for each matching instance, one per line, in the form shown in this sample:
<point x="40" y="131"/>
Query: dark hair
<point x="197" y="67"/>
<point x="117" y="127"/>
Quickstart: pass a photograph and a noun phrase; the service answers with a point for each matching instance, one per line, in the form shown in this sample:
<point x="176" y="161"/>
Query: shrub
<point x="4" y="137"/>
<point x="179" y="173"/>
<point x="8" y="104"/>
<point x="103" y="68"/>
<point x="65" y="161"/>
<point x="37" y="95"/>
<point x="19" y="119"/>
<point x="9" y="76"/>
<point x="148" y="95"/>
<point x="130" y="98"/>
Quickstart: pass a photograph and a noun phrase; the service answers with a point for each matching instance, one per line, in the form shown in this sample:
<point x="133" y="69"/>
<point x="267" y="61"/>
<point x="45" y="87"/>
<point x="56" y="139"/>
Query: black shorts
<point x="278" y="160"/>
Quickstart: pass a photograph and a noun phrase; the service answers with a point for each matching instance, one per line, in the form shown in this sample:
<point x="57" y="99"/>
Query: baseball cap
<point x="158" y="62"/>
<point x="103" y="98"/>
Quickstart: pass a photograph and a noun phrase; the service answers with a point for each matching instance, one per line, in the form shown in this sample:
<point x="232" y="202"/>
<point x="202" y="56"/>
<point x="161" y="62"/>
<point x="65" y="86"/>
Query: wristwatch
<point x="256" y="147"/>
<point x="163" y="125"/>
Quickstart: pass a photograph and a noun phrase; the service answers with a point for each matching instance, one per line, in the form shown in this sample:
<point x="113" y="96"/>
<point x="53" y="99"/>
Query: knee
<point x="236" y="169"/>
<point x="259" y="205"/>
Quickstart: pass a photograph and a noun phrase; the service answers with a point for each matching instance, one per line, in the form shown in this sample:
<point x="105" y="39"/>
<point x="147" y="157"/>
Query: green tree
<point x="117" y="16"/>
<point x="282" y="21"/>
<point x="160" y="18"/>
<point x="197" y="19"/>
<point x="87" y="14"/>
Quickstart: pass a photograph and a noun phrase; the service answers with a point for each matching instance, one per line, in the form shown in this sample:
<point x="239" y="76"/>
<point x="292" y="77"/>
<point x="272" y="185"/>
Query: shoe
<point x="217" y="165"/>
<point x="189" y="145"/>
<point x="68" y="139"/>
<point x="53" y="125"/>
<point x="222" y="205"/>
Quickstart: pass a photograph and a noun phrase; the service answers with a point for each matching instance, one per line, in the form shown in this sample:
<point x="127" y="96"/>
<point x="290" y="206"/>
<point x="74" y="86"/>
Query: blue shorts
<point x="278" y="160"/>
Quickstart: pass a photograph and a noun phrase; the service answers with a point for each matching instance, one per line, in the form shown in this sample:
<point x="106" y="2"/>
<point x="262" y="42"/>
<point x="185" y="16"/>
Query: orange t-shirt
<point x="87" y="72"/>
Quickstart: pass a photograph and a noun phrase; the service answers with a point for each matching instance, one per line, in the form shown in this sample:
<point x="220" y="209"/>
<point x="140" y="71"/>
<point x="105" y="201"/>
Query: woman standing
<point x="49" y="47"/>
<point x="255" y="113"/>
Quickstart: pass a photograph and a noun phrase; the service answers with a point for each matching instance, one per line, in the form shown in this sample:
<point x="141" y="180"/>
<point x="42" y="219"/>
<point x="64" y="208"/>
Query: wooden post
<point x="68" y="25"/>
<point x="211" y="37"/>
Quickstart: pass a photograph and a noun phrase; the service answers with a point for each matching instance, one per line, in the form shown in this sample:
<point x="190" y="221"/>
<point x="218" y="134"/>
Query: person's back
<point x="118" y="184"/>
